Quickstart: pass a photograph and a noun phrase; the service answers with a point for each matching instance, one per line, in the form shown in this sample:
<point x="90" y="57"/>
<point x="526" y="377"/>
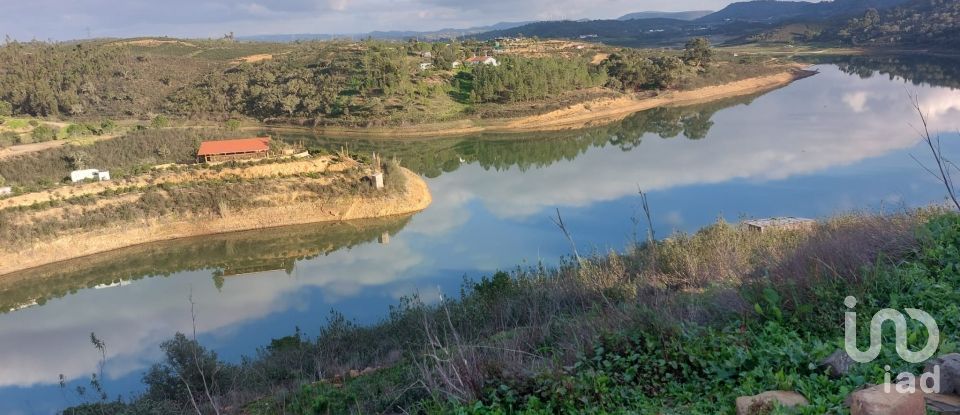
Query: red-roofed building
<point x="238" y="149"/>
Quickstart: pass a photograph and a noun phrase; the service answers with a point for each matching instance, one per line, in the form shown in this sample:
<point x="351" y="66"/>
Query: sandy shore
<point x="592" y="113"/>
<point x="414" y="198"/>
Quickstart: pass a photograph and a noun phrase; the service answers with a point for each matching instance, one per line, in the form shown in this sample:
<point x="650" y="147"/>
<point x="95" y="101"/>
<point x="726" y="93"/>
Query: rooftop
<point x="241" y="145"/>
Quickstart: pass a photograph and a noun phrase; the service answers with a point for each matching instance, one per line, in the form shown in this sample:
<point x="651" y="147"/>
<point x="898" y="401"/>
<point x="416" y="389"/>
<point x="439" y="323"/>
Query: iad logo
<point x="876" y="327"/>
<point x="906" y="380"/>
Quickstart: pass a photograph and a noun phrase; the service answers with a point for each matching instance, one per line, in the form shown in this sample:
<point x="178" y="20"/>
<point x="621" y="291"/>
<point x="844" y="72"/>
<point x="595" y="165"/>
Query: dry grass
<point x="700" y="278"/>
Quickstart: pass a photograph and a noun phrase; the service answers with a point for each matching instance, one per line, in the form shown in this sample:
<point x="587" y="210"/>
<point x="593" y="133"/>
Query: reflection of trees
<point x="226" y="255"/>
<point x="433" y="157"/>
<point x="931" y="70"/>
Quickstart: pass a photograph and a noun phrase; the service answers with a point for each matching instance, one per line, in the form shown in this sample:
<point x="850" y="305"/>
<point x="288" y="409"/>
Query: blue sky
<point x="73" y="19"/>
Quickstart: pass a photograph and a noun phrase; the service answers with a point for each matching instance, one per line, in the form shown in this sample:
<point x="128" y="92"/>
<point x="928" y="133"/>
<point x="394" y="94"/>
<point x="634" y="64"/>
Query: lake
<point x="838" y="142"/>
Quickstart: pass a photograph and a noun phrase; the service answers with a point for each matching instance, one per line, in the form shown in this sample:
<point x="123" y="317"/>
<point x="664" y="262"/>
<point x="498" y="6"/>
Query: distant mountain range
<point x="690" y="15"/>
<point x="736" y="22"/>
<point x="748" y="21"/>
<point x="388" y="35"/>
<point x="777" y="11"/>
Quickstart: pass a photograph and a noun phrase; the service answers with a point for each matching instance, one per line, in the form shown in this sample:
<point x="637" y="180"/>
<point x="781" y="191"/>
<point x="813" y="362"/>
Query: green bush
<point x="76" y="130"/>
<point x="43" y="133"/>
<point x="159" y="122"/>
<point x="107" y="126"/>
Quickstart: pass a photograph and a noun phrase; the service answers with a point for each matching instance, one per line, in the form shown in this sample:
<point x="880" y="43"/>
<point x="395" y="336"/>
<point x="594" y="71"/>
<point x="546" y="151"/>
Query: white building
<point x="89" y="174"/>
<point x="6" y="191"/>
<point x="425" y="65"/>
<point x="483" y="60"/>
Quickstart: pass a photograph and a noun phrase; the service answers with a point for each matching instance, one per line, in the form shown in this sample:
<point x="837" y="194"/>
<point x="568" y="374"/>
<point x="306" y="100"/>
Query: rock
<point x="949" y="372"/>
<point x="838" y="363"/>
<point x="885" y="400"/>
<point x="943" y="404"/>
<point x="354" y="373"/>
<point x="367" y="370"/>
<point x="765" y="402"/>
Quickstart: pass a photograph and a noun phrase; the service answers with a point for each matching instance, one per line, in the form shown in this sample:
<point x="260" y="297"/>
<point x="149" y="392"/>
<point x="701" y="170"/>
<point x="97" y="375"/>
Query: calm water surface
<point x="836" y="142"/>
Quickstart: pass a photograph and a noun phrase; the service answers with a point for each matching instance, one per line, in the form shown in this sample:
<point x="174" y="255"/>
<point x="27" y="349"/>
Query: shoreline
<point x="582" y="115"/>
<point x="415" y="198"/>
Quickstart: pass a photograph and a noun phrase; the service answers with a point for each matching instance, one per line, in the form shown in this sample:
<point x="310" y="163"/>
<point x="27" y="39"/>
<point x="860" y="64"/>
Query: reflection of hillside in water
<point x="227" y="255"/>
<point x="433" y="157"/>
<point x="916" y="69"/>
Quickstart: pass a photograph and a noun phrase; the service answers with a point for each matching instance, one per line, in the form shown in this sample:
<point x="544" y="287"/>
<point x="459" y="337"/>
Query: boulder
<point x="885" y="400"/>
<point x="949" y="372"/>
<point x="765" y="402"/>
<point x="943" y="404"/>
<point x="838" y="364"/>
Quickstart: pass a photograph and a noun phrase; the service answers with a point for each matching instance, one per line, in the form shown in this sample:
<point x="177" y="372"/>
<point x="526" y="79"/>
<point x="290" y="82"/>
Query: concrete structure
<point x="6" y="191"/>
<point x="230" y="150"/>
<point x="378" y="180"/>
<point x="789" y="223"/>
<point x="89" y="174"/>
<point x="425" y="65"/>
<point x="456" y="64"/>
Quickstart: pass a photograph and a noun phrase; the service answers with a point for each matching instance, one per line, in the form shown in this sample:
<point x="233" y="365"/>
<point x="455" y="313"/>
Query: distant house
<point x="238" y="149"/>
<point x="456" y="64"/>
<point x="426" y="54"/>
<point x="6" y="191"/>
<point x="482" y="60"/>
<point x="89" y="174"/>
<point x="425" y="65"/>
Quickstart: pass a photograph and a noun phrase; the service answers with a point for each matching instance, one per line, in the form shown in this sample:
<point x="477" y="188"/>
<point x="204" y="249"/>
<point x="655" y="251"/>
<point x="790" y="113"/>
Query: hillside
<point x="776" y="11"/>
<point x="917" y="23"/>
<point x="358" y="85"/>
<point x="56" y="222"/>
<point x="877" y="23"/>
<point x="688" y="15"/>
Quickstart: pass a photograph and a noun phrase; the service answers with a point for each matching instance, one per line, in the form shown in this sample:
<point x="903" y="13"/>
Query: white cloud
<point x="856" y="100"/>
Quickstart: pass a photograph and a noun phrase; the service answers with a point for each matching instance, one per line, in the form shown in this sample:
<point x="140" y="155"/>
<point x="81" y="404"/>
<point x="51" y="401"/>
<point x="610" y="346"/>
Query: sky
<point x="78" y="19"/>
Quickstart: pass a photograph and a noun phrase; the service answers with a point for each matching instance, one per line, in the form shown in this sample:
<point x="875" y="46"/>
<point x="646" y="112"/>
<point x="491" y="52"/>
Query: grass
<point x="16" y="123"/>
<point x="681" y="326"/>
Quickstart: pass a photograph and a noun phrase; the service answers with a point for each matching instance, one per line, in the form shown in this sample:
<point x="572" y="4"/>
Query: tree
<point x="697" y="52"/>
<point x="871" y="18"/>
<point x="188" y="371"/>
<point x="5" y="108"/>
<point x="3" y="180"/>
<point x="159" y="122"/>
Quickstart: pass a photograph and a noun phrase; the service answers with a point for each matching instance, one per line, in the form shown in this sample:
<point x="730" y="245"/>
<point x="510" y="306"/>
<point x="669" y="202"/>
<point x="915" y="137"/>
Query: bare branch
<point x="935" y="146"/>
<point x="563" y="228"/>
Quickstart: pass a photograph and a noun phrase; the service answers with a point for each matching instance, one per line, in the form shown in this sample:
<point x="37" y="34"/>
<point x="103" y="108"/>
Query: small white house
<point x="6" y="191"/>
<point x="89" y="174"/>
<point x="425" y="65"/>
<point x="456" y="64"/>
<point x="483" y="60"/>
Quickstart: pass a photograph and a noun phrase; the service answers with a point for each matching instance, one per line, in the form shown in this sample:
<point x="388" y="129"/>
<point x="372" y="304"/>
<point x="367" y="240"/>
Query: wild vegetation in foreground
<point x="682" y="325"/>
